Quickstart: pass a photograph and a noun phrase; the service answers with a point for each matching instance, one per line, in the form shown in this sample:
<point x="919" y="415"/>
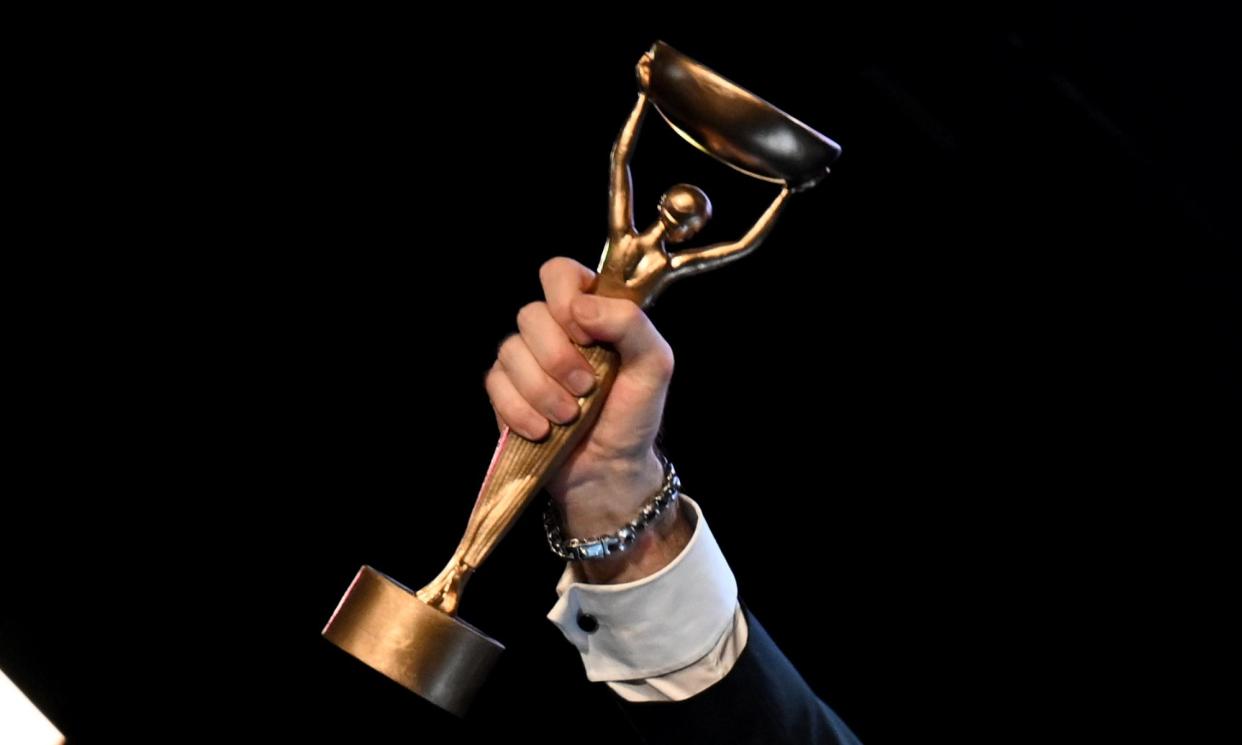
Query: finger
<point x="627" y="328"/>
<point x="536" y="386"/>
<point x="559" y="358"/>
<point x="564" y="279"/>
<point x="511" y="409"/>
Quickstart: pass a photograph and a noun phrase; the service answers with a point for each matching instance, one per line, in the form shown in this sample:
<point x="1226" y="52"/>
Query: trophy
<point x="416" y="638"/>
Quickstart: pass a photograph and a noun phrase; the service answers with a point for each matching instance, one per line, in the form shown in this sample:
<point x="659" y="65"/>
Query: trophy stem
<point x="416" y="639"/>
<point x="444" y="592"/>
<point x="519" y="469"/>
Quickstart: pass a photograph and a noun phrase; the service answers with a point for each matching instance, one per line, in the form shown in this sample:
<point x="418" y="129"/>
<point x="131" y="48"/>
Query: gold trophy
<point x="416" y="638"/>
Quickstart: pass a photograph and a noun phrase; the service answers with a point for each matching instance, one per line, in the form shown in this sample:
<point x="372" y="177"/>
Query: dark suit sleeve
<point x="763" y="699"/>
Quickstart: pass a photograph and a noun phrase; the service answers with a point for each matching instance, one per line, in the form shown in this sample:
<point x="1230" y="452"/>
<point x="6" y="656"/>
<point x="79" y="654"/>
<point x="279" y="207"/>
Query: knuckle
<point x="665" y="361"/>
<point x="491" y="377"/>
<point x="552" y="267"/>
<point x="629" y="314"/>
<point x="560" y="361"/>
<point x="508" y="347"/>
<point x="529" y="313"/>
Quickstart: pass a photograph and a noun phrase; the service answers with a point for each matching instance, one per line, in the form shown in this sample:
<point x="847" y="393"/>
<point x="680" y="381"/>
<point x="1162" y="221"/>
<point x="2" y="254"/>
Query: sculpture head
<point x="684" y="210"/>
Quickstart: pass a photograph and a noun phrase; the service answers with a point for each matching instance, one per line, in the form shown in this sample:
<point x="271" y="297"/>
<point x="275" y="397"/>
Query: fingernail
<point x="586" y="307"/>
<point x="566" y="412"/>
<point x="581" y="382"/>
<point x="577" y="334"/>
<point x="534" y="434"/>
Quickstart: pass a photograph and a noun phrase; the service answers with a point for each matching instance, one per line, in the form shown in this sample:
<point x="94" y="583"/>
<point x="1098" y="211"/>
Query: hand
<point x="535" y="381"/>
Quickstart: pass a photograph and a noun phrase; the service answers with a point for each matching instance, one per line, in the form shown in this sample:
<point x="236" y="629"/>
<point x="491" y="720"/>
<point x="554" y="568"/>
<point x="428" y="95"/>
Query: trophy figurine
<point x="416" y="638"/>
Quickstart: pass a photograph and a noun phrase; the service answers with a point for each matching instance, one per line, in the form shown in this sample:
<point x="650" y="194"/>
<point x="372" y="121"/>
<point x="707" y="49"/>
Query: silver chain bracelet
<point x="577" y="549"/>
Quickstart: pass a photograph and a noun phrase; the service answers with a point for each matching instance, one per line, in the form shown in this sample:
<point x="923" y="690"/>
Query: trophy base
<point x="384" y="624"/>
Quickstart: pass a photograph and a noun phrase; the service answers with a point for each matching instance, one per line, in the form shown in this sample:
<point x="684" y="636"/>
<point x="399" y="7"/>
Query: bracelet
<point x="577" y="549"/>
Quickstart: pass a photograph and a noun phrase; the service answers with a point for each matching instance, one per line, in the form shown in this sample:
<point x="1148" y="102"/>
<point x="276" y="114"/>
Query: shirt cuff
<point x="657" y="624"/>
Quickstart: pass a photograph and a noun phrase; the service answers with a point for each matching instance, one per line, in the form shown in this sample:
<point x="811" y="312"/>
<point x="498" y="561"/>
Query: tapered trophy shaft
<point x="416" y="639"/>
<point x="518" y="471"/>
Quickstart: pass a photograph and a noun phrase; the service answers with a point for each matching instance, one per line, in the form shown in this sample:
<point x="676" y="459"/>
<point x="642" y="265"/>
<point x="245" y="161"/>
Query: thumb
<point x="624" y="325"/>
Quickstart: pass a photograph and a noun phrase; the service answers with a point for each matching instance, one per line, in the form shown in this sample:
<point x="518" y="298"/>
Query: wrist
<point x="655" y="548"/>
<point x="609" y="498"/>
<point x="601" y="506"/>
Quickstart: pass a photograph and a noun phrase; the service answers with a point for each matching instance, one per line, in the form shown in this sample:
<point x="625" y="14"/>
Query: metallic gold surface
<point x="415" y="638"/>
<point x="519" y="470"/>
<point x="735" y="125"/>
<point x="439" y="657"/>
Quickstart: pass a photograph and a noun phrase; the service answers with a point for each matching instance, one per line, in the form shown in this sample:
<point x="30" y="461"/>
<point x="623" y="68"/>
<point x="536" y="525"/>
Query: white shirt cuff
<point x="680" y="685"/>
<point x="657" y="624"/>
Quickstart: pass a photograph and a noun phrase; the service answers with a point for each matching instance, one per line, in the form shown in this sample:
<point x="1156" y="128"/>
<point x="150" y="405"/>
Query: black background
<point x="948" y="424"/>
